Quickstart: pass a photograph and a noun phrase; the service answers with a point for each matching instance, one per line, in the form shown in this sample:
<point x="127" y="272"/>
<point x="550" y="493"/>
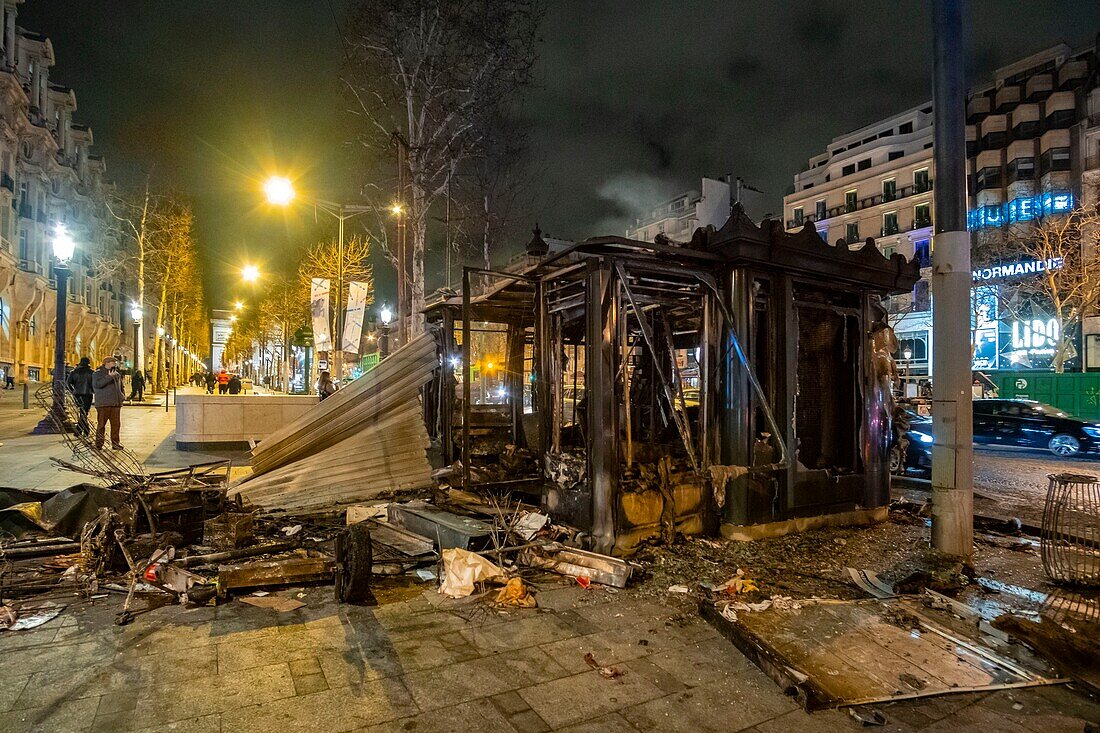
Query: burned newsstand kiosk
<point x="739" y="383"/>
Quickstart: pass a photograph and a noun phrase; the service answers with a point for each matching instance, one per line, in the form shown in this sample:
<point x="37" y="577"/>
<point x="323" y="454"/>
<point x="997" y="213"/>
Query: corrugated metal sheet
<point x="367" y="439"/>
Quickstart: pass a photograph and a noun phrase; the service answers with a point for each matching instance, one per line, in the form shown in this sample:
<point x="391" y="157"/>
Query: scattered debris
<point x="608" y="673"/>
<point x="516" y="593"/>
<point x="679" y="589"/>
<point x="12" y="620"/>
<point x="575" y="563"/>
<point x="463" y="569"/>
<point x="867" y="717"/>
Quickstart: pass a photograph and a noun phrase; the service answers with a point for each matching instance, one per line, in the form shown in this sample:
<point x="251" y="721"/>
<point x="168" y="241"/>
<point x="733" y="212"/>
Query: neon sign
<point x="1015" y="269"/>
<point x="1036" y="336"/>
<point x="1021" y="209"/>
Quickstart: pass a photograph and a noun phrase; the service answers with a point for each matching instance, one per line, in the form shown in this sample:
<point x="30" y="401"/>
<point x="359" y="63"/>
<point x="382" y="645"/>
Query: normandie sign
<point x="1016" y="269"/>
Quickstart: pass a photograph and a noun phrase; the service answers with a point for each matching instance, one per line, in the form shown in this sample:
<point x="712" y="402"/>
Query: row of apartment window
<point x="922" y="217"/>
<point x="903" y="129"/>
<point x="1061" y="119"/>
<point x="890" y="192"/>
<point x="1019" y="169"/>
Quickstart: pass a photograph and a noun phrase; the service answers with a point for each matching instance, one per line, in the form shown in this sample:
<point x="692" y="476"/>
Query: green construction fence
<point x="1078" y="393"/>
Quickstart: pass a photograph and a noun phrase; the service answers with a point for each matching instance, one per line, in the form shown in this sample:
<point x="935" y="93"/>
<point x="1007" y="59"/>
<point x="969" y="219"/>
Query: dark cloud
<point x="822" y="26"/>
<point x="636" y="99"/>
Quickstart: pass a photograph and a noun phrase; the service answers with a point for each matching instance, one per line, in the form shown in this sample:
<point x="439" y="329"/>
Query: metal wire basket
<point x="1070" y="541"/>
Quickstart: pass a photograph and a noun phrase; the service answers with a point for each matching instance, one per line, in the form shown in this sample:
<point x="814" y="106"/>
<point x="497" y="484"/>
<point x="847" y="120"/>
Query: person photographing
<point x="107" y="390"/>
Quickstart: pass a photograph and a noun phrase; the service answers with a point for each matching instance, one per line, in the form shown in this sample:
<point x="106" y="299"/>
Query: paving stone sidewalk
<point x="427" y="664"/>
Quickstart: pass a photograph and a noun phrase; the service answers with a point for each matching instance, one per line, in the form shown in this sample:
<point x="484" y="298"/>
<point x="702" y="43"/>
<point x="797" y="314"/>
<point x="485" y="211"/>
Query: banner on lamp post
<point x="318" y="308"/>
<point x="358" y="293"/>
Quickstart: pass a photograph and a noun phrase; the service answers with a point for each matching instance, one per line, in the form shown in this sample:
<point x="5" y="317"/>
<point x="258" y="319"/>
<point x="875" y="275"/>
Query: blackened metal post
<point x="466" y="371"/>
<point x="952" y="409"/>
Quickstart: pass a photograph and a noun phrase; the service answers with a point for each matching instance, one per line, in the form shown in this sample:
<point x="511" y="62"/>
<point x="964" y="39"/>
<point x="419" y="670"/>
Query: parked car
<point x="1015" y="422"/>
<point x="1031" y="424"/>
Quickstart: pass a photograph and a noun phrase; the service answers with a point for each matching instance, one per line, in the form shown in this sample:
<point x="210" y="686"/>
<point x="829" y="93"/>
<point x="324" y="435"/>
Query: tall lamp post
<point x="63" y="249"/>
<point x="280" y="192"/>
<point x="908" y="354"/>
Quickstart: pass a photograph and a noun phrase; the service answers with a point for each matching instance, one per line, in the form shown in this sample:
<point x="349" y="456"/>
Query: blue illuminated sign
<point x="1021" y="209"/>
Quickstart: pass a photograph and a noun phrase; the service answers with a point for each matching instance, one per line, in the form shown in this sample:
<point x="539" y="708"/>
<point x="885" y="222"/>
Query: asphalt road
<point x="1012" y="482"/>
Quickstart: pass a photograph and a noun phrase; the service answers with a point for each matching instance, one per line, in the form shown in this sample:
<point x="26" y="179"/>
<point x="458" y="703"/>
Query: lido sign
<point x="1016" y="269"/>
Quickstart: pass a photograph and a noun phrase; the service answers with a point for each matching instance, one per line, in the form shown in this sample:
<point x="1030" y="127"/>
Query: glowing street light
<point x="279" y="190"/>
<point x="250" y="273"/>
<point x="63" y="249"/>
<point x="385" y="315"/>
<point x="238" y="305"/>
<point x="64" y="246"/>
<point x="397" y="209"/>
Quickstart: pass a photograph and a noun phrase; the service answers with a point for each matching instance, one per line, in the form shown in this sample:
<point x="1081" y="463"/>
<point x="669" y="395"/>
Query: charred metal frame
<point x="736" y="294"/>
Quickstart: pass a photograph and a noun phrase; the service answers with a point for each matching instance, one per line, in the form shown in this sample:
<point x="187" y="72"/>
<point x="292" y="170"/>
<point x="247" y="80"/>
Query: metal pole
<point x="56" y="425"/>
<point x="466" y="378"/>
<point x="952" y="410"/>
<point x="337" y="346"/>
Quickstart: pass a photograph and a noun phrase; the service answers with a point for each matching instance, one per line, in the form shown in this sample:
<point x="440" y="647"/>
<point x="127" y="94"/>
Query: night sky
<point x="635" y="101"/>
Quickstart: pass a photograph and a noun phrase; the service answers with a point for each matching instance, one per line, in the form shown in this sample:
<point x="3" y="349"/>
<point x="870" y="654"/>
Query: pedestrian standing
<point x="107" y="390"/>
<point x="223" y="382"/>
<point x="235" y="384"/>
<point x="325" y="386"/>
<point x="137" y="386"/>
<point x="210" y="381"/>
<point x="80" y="382"/>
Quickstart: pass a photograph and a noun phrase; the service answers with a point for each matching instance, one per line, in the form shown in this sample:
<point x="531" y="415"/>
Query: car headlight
<point x="1092" y="431"/>
<point x="922" y="437"/>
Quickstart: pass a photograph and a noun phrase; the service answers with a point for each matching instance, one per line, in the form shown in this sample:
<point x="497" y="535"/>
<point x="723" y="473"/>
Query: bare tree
<point x="342" y="266"/>
<point x="1061" y="280"/>
<point x="285" y="303"/>
<point x="422" y="74"/>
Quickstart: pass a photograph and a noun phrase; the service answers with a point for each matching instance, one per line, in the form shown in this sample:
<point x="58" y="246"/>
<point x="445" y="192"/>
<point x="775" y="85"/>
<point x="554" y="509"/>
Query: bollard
<point x="26" y="396"/>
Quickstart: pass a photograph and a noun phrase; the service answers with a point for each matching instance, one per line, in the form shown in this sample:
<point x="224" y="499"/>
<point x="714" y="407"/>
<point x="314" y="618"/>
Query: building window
<point x="864" y="164"/>
<point x="32" y="326"/>
<point x="798" y="216"/>
<point x="889" y="251"/>
<point x="1055" y="159"/>
<point x="905" y="128"/>
<point x="890" y="223"/>
<point x="922" y="216"/>
<point x="1021" y="169"/>
<point x="922" y="302"/>
<point x="922" y="252"/>
<point x="819" y="210"/>
<point x="850" y="200"/>
<point x="851" y="235"/>
<point x="34" y="373"/>
<point x="5" y="319"/>
<point x="921" y="182"/>
<point x="895" y="154"/>
<point x="994" y="140"/>
<point x="848" y="170"/>
<point x="1028" y="130"/>
<point x="988" y="178"/>
<point x="889" y="189"/>
<point x="1060" y="119"/>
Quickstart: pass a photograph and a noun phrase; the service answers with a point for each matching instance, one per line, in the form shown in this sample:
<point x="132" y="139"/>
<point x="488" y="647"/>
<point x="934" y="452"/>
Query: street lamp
<point x="385" y="315"/>
<point x="63" y="249"/>
<point x="135" y="316"/>
<point x="279" y="190"/>
<point x="250" y="273"/>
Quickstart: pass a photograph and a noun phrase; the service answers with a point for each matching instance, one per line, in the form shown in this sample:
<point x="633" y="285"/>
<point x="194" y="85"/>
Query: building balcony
<point x="7" y="182"/>
<point x="31" y="266"/>
<point x="877" y="199"/>
<point x="26" y="211"/>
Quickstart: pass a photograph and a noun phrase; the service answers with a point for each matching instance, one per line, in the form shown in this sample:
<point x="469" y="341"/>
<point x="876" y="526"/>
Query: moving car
<point x="1014" y="422"/>
<point x="1031" y="424"/>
